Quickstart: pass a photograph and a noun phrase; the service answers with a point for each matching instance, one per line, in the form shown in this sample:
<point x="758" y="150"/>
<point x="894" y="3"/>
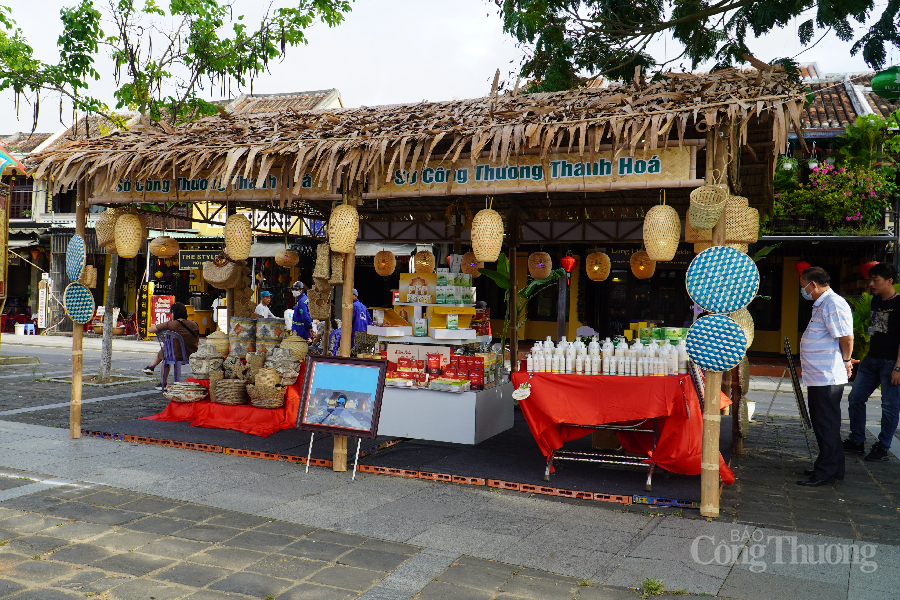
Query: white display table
<point x="463" y="418"/>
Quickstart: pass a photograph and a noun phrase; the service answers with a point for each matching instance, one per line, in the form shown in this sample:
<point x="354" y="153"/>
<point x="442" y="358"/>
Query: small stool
<point x="29" y="329"/>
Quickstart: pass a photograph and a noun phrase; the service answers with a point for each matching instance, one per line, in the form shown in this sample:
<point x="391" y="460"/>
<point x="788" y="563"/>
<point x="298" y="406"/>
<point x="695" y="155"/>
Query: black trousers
<point x="825" y="414"/>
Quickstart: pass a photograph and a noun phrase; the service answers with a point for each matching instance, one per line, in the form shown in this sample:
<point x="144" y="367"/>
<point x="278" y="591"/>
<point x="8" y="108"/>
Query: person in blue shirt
<point x="334" y="341"/>
<point x="361" y="317"/>
<point x="301" y="323"/>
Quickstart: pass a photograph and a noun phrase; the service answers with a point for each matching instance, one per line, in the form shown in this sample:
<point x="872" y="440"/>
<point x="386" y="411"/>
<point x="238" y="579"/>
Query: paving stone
<point x="475" y="577"/>
<point x="194" y="512"/>
<point x="31" y="523"/>
<point x="124" y="540"/>
<point x="150" y="505"/>
<point x="95" y="582"/>
<point x="210" y="595"/>
<point x="31" y="502"/>
<point x="373" y="560"/>
<point x="260" y="541"/>
<point x="239" y="520"/>
<point x="8" y="587"/>
<point x="8" y="559"/>
<point x="37" y="571"/>
<point x="383" y="593"/>
<point x="743" y="584"/>
<point x="286" y="567"/>
<point x="348" y="578"/>
<point x="208" y="533"/>
<point x="109" y="499"/>
<point x="191" y="574"/>
<point x="132" y="563"/>
<point x="446" y="591"/>
<point x="334" y="537"/>
<point x="605" y="593"/>
<point x="252" y="584"/>
<point x="294" y="530"/>
<point x="315" y="550"/>
<point x="228" y="558"/>
<point x="32" y="545"/>
<point x="394" y="547"/>
<point x="145" y="588"/>
<point x="173" y="548"/>
<point x="77" y="531"/>
<point x="538" y="589"/>
<point x="306" y="591"/>
<point x="112" y="516"/>
<point x="47" y="594"/>
<point x="80" y="554"/>
<point x="482" y="563"/>
<point x="159" y="525"/>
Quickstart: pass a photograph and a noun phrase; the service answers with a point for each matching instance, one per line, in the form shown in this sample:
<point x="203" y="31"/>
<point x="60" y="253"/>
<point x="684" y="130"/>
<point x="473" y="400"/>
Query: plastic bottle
<point x="682" y="357"/>
<point x="570" y="363"/>
<point x="594" y="347"/>
<point x="596" y="364"/>
<point x="579" y="364"/>
<point x="672" y="363"/>
<point x="634" y="367"/>
<point x="539" y="362"/>
<point x="529" y="362"/>
<point x="654" y="349"/>
<point x="556" y="360"/>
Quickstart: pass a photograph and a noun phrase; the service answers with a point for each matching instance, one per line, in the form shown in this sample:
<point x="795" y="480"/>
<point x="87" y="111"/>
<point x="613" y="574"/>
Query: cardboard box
<point x="389" y="331"/>
<point x="421" y="286"/>
<point x="452" y="334"/>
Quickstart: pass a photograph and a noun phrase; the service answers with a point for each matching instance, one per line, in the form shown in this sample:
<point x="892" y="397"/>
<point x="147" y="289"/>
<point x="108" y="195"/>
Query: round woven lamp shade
<point x="286" y="258"/>
<point x="470" y="264"/>
<point x="598" y="266"/>
<point x="163" y="247"/>
<point x="105" y="227"/>
<point x="662" y="232"/>
<point x="385" y="263"/>
<point x="487" y="235"/>
<point x="424" y="262"/>
<point x="238" y="237"/>
<point x="540" y="265"/>
<point x="707" y="204"/>
<point x="343" y="228"/>
<point x="129" y="235"/>
<point x="642" y="265"/>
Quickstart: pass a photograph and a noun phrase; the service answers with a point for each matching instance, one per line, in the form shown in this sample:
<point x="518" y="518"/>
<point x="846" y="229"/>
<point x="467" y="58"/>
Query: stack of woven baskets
<point x="185" y="393"/>
<point x="708" y="203"/>
<point x="267" y="391"/>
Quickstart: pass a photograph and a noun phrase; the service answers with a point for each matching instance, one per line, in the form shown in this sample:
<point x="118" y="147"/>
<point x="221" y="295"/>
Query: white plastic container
<point x="557" y="358"/>
<point x="570" y="363"/>
<point x="579" y="364"/>
<point x="529" y="363"/>
<point x="596" y="364"/>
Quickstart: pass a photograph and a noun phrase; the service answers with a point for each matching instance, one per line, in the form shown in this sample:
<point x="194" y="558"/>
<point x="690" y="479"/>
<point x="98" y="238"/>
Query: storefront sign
<point x="42" y="303"/>
<point x="620" y="258"/>
<point x="190" y="260"/>
<point x="160" y="310"/>
<point x="206" y="188"/>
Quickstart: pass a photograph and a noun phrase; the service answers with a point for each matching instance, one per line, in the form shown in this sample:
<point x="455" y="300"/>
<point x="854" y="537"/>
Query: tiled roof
<point x="25" y="142"/>
<point x="838" y="98"/>
<point x="879" y="105"/>
<point x="265" y="103"/>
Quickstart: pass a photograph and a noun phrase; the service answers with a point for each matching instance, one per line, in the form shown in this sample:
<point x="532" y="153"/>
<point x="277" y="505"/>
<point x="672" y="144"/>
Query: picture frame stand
<point x="356" y="459"/>
<point x="312" y="435"/>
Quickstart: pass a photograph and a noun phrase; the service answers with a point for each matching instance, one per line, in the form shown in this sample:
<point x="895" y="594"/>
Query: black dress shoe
<point x="811" y="472"/>
<point x="813" y="482"/>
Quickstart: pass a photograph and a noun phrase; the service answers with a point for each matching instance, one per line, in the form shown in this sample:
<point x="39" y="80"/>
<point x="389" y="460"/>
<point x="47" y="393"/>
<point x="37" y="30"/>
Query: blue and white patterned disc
<point x="78" y="302"/>
<point x="716" y="342"/>
<point x="722" y="279"/>
<point x="75" y="257"/>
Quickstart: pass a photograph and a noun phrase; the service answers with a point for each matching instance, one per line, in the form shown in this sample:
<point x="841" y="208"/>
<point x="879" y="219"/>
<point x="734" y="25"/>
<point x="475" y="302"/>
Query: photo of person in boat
<point x="340" y="408"/>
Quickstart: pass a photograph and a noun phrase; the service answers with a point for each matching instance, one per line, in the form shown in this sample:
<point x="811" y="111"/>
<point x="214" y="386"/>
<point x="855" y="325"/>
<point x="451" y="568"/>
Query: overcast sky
<point x="386" y="51"/>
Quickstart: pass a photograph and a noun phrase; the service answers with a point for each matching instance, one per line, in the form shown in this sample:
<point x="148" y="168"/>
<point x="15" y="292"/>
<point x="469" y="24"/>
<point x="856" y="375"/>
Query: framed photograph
<point x="342" y="396"/>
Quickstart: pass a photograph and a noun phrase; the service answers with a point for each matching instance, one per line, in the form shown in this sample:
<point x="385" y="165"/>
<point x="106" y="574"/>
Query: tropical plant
<point x="862" y="145"/>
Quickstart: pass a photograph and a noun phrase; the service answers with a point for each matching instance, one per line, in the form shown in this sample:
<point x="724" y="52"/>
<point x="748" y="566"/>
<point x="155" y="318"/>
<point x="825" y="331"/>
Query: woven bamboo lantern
<point x="598" y="266"/>
<point x="129" y="235"/>
<point x="105" y="227"/>
<point x="707" y="204"/>
<point x="286" y="258"/>
<point x="540" y="265"/>
<point x="487" y="235"/>
<point x="471" y="265"/>
<point x="385" y="263"/>
<point x="662" y="232"/>
<point x="424" y="262"/>
<point x="343" y="228"/>
<point x="693" y="235"/>
<point x="238" y="237"/>
<point x="745" y="320"/>
<point x="642" y="265"/>
<point x="163" y="247"/>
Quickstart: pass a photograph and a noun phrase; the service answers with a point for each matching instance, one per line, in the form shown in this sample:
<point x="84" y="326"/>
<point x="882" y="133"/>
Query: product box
<point x="420" y="328"/>
<point x="420" y="366"/>
<point x="476" y="380"/>
<point x="418" y="287"/>
<point x="453" y="321"/>
<point x="403" y="364"/>
<point x="442" y="275"/>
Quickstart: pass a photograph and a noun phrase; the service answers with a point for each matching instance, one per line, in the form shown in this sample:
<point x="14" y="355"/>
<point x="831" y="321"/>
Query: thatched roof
<point x="367" y="144"/>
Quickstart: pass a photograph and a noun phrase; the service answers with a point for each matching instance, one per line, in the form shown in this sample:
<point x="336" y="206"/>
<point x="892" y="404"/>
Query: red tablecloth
<point x="246" y="418"/>
<point x="605" y="399"/>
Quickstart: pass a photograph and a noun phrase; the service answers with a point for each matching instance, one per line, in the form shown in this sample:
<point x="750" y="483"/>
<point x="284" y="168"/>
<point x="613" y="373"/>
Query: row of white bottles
<point x="572" y="363"/>
<point x="609" y="358"/>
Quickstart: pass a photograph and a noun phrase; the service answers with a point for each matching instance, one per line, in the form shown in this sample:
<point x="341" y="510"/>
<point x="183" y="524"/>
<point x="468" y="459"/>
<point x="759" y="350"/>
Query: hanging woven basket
<point x="471" y="265"/>
<point x="163" y="247"/>
<point x="662" y="232"/>
<point x="487" y="235"/>
<point x="745" y="320"/>
<point x="322" y="269"/>
<point x="642" y="265"/>
<point x="238" y="237"/>
<point x="741" y="223"/>
<point x="693" y="235"/>
<point x="105" y="227"/>
<point x="286" y="258"/>
<point x="424" y="261"/>
<point x="540" y="265"/>
<point x="385" y="263"/>
<point x="597" y="266"/>
<point x="337" y="269"/>
<point x="343" y="228"/>
<point x="707" y="204"/>
<point x="129" y="235"/>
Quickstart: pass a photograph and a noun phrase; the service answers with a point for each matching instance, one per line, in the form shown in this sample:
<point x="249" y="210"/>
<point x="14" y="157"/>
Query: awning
<point x="22" y="243"/>
<point x="265" y="249"/>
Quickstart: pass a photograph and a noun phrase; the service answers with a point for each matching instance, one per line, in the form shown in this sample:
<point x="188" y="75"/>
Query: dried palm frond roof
<point x="367" y="144"/>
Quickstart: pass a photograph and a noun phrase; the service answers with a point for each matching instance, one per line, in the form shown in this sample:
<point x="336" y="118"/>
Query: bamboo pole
<point x="339" y="454"/>
<point x="77" y="328"/>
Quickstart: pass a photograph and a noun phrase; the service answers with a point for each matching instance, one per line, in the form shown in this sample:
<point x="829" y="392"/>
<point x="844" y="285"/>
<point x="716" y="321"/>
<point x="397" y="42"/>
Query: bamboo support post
<point x="737" y="401"/>
<point x="339" y="454"/>
<point x="77" y="328"/>
<point x="514" y="303"/>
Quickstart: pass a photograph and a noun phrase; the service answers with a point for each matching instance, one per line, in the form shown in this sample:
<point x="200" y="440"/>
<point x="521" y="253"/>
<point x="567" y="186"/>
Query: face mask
<point x="296" y="293"/>
<point x="806" y="295"/>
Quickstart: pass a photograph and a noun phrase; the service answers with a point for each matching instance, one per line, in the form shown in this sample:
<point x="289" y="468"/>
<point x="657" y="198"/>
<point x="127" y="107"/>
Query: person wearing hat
<point x="361" y="317"/>
<point x="262" y="309"/>
<point x="301" y="324"/>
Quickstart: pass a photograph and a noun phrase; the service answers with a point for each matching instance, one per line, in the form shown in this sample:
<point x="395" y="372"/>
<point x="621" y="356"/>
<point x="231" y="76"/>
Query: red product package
<point x="434" y="364"/>
<point x="420" y="366"/>
<point x="450" y="373"/>
<point x="476" y="380"/>
<point x="403" y="364"/>
<point x="478" y="361"/>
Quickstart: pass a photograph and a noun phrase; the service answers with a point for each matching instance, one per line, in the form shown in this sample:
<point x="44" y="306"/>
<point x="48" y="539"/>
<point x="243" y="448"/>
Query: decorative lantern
<point x="864" y="268"/>
<point x="343" y="228"/>
<point x="449" y="260"/>
<point x="487" y="235"/>
<point x="598" y="266"/>
<point x="163" y="246"/>
<point x="540" y="265"/>
<point x="662" y="231"/>
<point x="158" y="274"/>
<point x="129" y="235"/>
<point x="238" y="237"/>
<point x="470" y="265"/>
<point x="424" y="262"/>
<point x="105" y="227"/>
<point x="642" y="265"/>
<point x="385" y="263"/>
<point x="568" y="263"/>
<point x="286" y="258"/>
<point x="35" y="253"/>
<point x="803" y="265"/>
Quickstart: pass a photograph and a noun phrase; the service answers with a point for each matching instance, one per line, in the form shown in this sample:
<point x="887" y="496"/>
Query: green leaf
<point x="500" y="280"/>
<point x="764" y="252"/>
<point x="503" y="265"/>
<point x="537" y="285"/>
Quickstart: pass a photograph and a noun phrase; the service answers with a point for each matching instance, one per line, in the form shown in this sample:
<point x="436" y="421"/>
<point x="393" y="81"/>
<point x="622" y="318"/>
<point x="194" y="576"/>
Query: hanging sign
<point x="191" y="260"/>
<point x="160" y="310"/>
<point x="42" y="303"/>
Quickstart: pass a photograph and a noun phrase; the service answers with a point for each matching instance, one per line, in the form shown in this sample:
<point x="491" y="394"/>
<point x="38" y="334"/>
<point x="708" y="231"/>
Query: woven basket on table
<point x="424" y="262"/>
<point x="385" y="263"/>
<point x="337" y="269"/>
<point x="642" y="265"/>
<point x="540" y="265"/>
<point x="707" y="204"/>
<point x="129" y="235"/>
<point x="297" y="345"/>
<point x="266" y="396"/>
<point x="597" y="266"/>
<point x="745" y="320"/>
<point x="231" y="391"/>
<point x="343" y="228"/>
<point x="214" y="377"/>
<point x="267" y="377"/>
<point x="322" y="270"/>
<point x="238" y="237"/>
<point x="662" y="232"/>
<point x="487" y="235"/>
